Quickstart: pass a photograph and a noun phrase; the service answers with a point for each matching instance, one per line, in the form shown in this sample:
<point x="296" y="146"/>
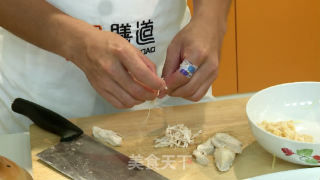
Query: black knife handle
<point x="47" y="119"/>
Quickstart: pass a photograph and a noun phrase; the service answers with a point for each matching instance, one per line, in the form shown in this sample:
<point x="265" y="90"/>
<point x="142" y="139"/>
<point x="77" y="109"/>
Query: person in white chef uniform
<point x="86" y="57"/>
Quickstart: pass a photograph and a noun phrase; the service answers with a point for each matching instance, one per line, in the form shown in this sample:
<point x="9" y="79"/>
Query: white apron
<point x="40" y="76"/>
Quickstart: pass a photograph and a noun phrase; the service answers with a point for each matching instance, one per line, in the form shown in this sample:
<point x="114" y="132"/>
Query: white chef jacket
<point x="48" y="79"/>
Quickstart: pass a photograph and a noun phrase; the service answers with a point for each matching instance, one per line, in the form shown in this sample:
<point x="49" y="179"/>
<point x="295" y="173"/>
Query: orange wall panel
<point x="226" y="83"/>
<point x="277" y="41"/>
<point x="190" y="4"/>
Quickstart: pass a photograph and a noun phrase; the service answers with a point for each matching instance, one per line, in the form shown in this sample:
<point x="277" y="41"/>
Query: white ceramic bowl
<point x="298" y="101"/>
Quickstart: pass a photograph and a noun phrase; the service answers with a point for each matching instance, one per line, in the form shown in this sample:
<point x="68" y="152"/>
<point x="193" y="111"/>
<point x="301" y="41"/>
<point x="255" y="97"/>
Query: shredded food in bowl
<point x="285" y="129"/>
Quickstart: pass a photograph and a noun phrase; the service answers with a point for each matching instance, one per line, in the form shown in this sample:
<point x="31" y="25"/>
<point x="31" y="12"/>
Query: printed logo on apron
<point x="143" y="35"/>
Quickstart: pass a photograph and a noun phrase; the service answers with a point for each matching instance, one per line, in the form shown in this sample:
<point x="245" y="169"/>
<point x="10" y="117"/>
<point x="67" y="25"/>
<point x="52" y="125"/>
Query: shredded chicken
<point x="285" y="129"/>
<point x="177" y="136"/>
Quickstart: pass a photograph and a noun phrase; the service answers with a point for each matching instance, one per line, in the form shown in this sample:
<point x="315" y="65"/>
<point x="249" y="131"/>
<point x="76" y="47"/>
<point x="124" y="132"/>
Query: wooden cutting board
<point x="138" y="134"/>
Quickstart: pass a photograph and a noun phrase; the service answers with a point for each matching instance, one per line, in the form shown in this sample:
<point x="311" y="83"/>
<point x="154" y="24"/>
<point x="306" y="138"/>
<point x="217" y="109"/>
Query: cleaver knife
<point x="79" y="156"/>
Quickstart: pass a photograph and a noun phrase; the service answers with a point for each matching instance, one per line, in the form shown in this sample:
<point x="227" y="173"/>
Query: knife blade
<point x="77" y="155"/>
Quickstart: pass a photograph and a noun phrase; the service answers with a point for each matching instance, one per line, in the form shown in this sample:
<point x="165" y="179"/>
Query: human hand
<point x="118" y="71"/>
<point x="200" y="44"/>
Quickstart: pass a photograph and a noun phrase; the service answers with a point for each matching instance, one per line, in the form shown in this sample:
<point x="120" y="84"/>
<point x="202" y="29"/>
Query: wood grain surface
<point x="138" y="133"/>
